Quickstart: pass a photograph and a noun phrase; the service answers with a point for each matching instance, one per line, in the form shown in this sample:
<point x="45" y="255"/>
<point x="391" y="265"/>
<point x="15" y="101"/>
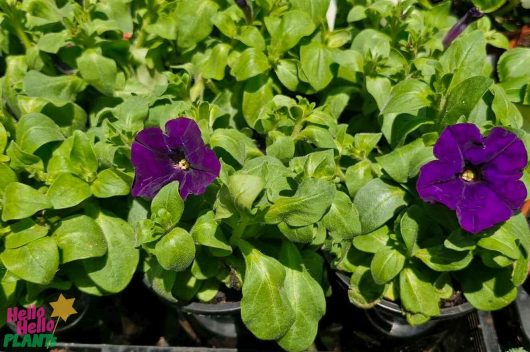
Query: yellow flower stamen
<point x="468" y="175"/>
<point x="183" y="164"/>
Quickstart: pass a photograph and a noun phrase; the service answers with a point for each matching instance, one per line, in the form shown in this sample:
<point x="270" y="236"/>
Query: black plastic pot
<point x="522" y="306"/>
<point x="387" y="317"/>
<point x="78" y="347"/>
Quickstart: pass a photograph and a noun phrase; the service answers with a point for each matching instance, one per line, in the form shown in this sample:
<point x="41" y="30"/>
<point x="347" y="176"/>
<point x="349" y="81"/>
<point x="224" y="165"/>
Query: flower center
<point x="468" y="175"/>
<point x="183" y="164"/>
<point x="179" y="161"/>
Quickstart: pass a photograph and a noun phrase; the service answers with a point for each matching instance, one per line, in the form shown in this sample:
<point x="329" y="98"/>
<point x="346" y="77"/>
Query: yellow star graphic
<point x="63" y="307"/>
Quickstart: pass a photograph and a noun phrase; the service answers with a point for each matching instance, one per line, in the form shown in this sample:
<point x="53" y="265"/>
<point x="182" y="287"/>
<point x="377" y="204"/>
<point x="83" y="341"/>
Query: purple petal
<point x="439" y="182"/>
<point x="204" y="159"/>
<point x="153" y="171"/>
<point x="505" y="154"/>
<point x="153" y="139"/>
<point x="513" y="193"/>
<point x="459" y="143"/>
<point x="480" y="208"/>
<point x="195" y="182"/>
<point x="183" y="133"/>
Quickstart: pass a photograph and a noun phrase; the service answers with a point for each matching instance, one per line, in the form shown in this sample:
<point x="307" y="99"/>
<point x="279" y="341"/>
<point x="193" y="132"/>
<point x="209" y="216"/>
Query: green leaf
<point x="247" y="64"/>
<point x="306" y="298"/>
<point x="373" y="242"/>
<point x="287" y="30"/>
<point x="409" y="228"/>
<point x="193" y="19"/>
<point x="440" y="258"/>
<point x="503" y="242"/>
<point x="320" y="137"/>
<point x="35" y="130"/>
<point x="464" y="97"/>
<point x="176" y="250"/>
<point x="205" y="266"/>
<point x="22" y="201"/>
<point x="22" y="161"/>
<point x="252" y="37"/>
<point x="79" y="237"/>
<point x="342" y="220"/>
<point x="24" y="232"/>
<point x="364" y="292"/>
<point x="257" y="93"/>
<point x="320" y="165"/>
<point x="236" y="144"/>
<point x="317" y="9"/>
<point x="59" y="90"/>
<point x="307" y="206"/>
<point x="386" y="265"/>
<point x="167" y="206"/>
<point x="377" y="202"/>
<point x="113" y="272"/>
<point x="68" y="191"/>
<point x="407" y="97"/>
<point x="109" y="184"/>
<point x="417" y="292"/>
<point x="263" y="286"/>
<point x="52" y="42"/>
<point x="465" y="58"/>
<point x="35" y="262"/>
<point x="213" y="62"/>
<point x="244" y="189"/>
<point x="486" y="288"/>
<point x="404" y="163"/>
<point x="287" y="72"/>
<point x="99" y="71"/>
<point x="357" y="176"/>
<point x="207" y="233"/>
<point x="7" y="175"/>
<point x="132" y="113"/>
<point x="460" y="241"/>
<point x="488" y="6"/>
<point x="513" y="65"/>
<point x="506" y="113"/>
<point x="316" y="60"/>
<point x="272" y="171"/>
<point x="303" y="234"/>
<point x="82" y="156"/>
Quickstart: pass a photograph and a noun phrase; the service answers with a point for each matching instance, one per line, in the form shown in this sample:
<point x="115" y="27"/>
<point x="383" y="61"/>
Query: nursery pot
<point x="522" y="306"/>
<point x="387" y="316"/>
<point x="217" y="324"/>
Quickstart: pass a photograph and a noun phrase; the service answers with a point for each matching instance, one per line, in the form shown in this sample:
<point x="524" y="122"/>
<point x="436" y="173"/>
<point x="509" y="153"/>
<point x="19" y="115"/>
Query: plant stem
<point x="239" y="229"/>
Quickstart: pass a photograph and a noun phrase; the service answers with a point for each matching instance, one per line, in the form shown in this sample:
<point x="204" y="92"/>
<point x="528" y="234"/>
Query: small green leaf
<point x="316" y="60"/>
<point x="263" y="286"/>
<point x="257" y="93"/>
<point x="176" y="250"/>
<point x="248" y="63"/>
<point x="99" y="71"/>
<point x="109" y="184"/>
<point x="307" y="206"/>
<point x="364" y="292"/>
<point x="487" y="288"/>
<point x="7" y="175"/>
<point x="35" y="130"/>
<point x="82" y="156"/>
<point x="68" y="191"/>
<point x="35" y="262"/>
<point x="287" y="30"/>
<point x="440" y="258"/>
<point x="373" y="242"/>
<point x="407" y="97"/>
<point x="503" y="242"/>
<point x="59" y="90"/>
<point x="357" y="176"/>
<point x="79" y="237"/>
<point x="167" y="206"/>
<point x="244" y="189"/>
<point x="377" y="202"/>
<point x="342" y="219"/>
<point x="417" y="292"/>
<point x="22" y="201"/>
<point x="207" y="233"/>
<point x="386" y="264"/>
<point x="24" y="232"/>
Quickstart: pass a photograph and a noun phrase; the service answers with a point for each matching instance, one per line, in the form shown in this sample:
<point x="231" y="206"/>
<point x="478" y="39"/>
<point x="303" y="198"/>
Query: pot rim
<point x="445" y="313"/>
<point x="198" y="307"/>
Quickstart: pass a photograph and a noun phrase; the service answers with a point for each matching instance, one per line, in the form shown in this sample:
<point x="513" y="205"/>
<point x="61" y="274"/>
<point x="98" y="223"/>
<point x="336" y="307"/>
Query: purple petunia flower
<point x="471" y="16"/>
<point x="178" y="155"/>
<point x="476" y="176"/>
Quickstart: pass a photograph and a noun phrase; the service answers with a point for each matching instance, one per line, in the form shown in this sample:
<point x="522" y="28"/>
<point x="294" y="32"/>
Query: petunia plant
<point x="439" y="210"/>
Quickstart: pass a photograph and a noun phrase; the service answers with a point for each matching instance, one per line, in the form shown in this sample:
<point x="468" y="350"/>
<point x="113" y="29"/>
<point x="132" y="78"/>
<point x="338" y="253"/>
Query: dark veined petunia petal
<point x="153" y="139"/>
<point x="183" y="133"/>
<point x="480" y="208"/>
<point x="504" y="153"/>
<point x="460" y="143"/>
<point x="153" y="171"/>
<point x="439" y="182"/>
<point x="513" y="193"/>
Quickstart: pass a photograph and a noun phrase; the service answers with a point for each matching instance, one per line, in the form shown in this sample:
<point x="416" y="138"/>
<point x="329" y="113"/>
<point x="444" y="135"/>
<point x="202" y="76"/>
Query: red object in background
<point x="127" y="35"/>
<point x="521" y="38"/>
